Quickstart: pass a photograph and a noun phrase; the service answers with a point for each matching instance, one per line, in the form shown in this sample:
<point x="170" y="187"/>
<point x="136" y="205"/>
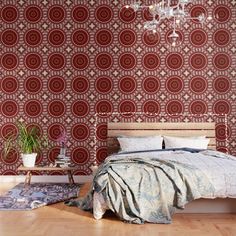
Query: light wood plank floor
<point x="59" y="219"/>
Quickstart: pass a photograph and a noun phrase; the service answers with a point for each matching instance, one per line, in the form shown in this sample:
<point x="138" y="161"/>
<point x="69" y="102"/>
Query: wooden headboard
<point x="147" y="129"/>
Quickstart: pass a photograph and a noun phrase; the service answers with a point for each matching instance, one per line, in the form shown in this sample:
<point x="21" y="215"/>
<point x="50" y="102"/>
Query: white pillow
<point x="130" y="144"/>
<point x="189" y="142"/>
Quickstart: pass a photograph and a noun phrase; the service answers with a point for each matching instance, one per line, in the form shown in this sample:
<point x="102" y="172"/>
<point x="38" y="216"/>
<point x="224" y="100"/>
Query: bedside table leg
<point x="70" y="177"/>
<point x="28" y="178"/>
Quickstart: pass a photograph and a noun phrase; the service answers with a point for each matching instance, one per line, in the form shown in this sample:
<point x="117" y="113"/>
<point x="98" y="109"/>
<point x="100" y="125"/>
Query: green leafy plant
<point x="27" y="141"/>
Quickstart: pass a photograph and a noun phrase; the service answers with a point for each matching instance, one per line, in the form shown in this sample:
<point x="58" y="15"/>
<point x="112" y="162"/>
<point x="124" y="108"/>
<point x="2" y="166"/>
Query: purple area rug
<point x="37" y="195"/>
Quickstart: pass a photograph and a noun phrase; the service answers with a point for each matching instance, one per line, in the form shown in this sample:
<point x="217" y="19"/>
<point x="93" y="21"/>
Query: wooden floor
<point x="59" y="219"/>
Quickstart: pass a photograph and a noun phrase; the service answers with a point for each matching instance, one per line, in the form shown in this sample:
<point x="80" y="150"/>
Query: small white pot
<point x="29" y="159"/>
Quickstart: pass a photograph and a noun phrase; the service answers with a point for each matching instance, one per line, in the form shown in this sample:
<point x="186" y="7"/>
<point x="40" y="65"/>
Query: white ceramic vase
<point x="29" y="159"/>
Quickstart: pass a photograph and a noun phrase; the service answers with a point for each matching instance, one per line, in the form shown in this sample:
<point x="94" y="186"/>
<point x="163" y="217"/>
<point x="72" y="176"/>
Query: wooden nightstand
<point x="47" y="168"/>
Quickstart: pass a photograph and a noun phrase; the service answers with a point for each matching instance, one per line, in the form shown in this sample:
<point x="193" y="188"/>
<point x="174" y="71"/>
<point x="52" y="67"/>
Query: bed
<point x="150" y="185"/>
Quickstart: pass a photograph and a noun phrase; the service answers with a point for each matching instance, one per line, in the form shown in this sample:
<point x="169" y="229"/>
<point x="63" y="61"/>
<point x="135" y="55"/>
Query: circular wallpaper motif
<point x="11" y="158"/>
<point x="127" y="37"/>
<point x="151" y="106"/>
<point x="174" y="107"/>
<point x="80" y="84"/>
<point x="127" y="15"/>
<point x="39" y="159"/>
<point x="101" y="132"/>
<point x="222" y="132"/>
<point x="33" y="61"/>
<point x="80" y="61"/>
<point x="56" y="13"/>
<point x="9" y="129"/>
<point x="196" y="11"/>
<point x="151" y="39"/>
<point x="80" y="108"/>
<point x="175" y="61"/>
<point x="9" y="172"/>
<point x="9" y="84"/>
<point x="9" y="14"/>
<point x="151" y="85"/>
<point x="127" y="61"/>
<point x="147" y="15"/>
<point x="80" y="132"/>
<point x="198" y="107"/>
<point x="127" y="84"/>
<point x="222" y="149"/>
<point x="37" y="127"/>
<point x="82" y="172"/>
<point x="198" y="61"/>
<point x="222" y="61"/>
<point x="101" y="154"/>
<point x="56" y="37"/>
<point x="222" y="14"/>
<point x="56" y="172"/>
<point x="56" y="108"/>
<point x="56" y="84"/>
<point x="80" y="155"/>
<point x="151" y="61"/>
<point x="56" y="61"/>
<point x="33" y="14"/>
<point x="33" y="84"/>
<point x="55" y="131"/>
<point x="222" y="84"/>
<point x="80" y="37"/>
<point x="53" y="153"/>
<point x="103" y="14"/>
<point x="126" y="107"/>
<point x="9" y="37"/>
<point x="104" y="106"/>
<point x="198" y="85"/>
<point x="80" y="14"/>
<point x="222" y="37"/>
<point x="222" y="107"/>
<point x="174" y="84"/>
<point x="104" y="37"/>
<point x="104" y="61"/>
<point x="104" y="85"/>
<point x="33" y="37"/>
<point x="198" y="37"/>
<point x="9" y="108"/>
<point x="33" y="108"/>
<point x="9" y="61"/>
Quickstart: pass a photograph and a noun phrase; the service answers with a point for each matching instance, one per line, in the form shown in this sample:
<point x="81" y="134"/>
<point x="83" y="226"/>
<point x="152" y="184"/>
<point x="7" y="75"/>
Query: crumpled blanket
<point x="140" y="189"/>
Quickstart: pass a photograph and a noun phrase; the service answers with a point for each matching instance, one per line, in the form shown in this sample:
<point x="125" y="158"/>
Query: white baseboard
<point x="45" y="178"/>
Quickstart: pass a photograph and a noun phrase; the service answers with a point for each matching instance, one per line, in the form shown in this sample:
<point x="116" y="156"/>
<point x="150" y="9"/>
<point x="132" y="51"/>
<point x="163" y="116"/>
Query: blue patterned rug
<point x="37" y="195"/>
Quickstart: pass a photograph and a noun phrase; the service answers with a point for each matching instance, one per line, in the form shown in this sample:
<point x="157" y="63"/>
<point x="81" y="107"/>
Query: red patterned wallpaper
<point x="63" y="61"/>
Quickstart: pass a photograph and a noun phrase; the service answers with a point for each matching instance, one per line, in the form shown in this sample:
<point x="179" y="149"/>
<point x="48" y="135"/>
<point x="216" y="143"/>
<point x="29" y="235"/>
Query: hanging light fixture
<point x="176" y="14"/>
<point x="174" y="38"/>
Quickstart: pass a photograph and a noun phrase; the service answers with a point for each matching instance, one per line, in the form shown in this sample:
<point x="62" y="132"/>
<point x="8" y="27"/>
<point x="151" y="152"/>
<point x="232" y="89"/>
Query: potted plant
<point x="28" y="142"/>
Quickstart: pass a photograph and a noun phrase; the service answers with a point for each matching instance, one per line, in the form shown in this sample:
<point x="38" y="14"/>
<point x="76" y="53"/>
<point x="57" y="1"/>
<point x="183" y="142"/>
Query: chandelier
<point x="174" y="12"/>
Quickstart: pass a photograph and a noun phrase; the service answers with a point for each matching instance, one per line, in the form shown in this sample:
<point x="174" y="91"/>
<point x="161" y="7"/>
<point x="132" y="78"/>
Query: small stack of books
<point x="63" y="161"/>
